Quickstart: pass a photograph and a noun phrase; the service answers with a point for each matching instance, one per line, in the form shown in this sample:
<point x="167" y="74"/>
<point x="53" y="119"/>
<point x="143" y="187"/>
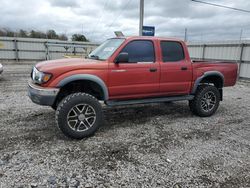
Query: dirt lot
<point x="158" y="145"/>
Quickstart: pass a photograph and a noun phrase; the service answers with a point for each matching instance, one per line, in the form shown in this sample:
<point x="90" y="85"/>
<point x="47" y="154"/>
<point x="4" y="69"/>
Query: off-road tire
<point x="196" y="105"/>
<point x="68" y="105"/>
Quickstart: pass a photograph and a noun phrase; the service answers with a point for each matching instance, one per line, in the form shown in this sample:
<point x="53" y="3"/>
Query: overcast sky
<point x="97" y="19"/>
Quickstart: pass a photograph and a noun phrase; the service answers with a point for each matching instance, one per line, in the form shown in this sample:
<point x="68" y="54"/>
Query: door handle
<point x="184" y="68"/>
<point x="153" y="69"/>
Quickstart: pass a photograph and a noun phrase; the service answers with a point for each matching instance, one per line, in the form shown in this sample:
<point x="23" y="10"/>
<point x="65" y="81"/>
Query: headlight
<point x="40" y="77"/>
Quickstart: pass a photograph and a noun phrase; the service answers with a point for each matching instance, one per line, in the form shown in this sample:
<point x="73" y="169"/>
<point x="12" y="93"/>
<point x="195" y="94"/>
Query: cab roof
<point x="151" y="38"/>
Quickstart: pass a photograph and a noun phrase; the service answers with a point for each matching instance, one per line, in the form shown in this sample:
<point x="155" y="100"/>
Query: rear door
<point x="176" y="71"/>
<point x="138" y="77"/>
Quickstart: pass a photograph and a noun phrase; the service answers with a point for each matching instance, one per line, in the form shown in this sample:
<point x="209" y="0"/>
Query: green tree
<point x="9" y="33"/>
<point x="2" y="33"/>
<point x="52" y="34"/>
<point x="79" y="37"/>
<point x="63" y="37"/>
<point x="22" y="33"/>
<point x="37" y="34"/>
<point x="41" y="35"/>
<point x="33" y="34"/>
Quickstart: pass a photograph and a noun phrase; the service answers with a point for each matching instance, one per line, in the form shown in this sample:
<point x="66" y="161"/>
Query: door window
<point x="140" y="51"/>
<point x="171" y="51"/>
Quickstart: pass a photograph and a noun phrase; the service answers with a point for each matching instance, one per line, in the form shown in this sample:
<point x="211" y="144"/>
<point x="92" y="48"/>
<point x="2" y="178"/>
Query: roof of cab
<point x="151" y="38"/>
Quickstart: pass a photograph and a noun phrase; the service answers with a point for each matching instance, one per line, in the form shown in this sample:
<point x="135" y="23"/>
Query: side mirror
<point x="122" y="57"/>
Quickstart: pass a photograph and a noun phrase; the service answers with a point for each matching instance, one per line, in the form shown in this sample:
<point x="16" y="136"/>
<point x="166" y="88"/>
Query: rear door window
<point x="172" y="51"/>
<point x="140" y="51"/>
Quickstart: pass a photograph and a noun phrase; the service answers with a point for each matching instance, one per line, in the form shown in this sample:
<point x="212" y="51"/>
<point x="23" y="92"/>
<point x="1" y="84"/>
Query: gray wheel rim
<point x="208" y="101"/>
<point x="81" y="117"/>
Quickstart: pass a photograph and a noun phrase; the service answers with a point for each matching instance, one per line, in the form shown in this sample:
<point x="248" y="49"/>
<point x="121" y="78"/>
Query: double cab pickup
<point x="126" y="71"/>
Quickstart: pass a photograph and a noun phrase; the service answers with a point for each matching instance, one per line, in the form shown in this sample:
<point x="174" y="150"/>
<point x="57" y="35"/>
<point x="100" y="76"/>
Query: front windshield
<point x="106" y="49"/>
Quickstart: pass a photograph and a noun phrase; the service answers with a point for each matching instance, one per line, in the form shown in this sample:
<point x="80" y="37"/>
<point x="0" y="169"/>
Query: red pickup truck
<point x="124" y="71"/>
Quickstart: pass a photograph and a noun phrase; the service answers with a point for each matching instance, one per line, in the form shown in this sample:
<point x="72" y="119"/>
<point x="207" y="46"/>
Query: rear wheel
<point x="79" y="115"/>
<point x="206" y="101"/>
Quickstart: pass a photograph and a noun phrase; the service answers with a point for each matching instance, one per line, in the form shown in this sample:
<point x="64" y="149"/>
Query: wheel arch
<point x="87" y="78"/>
<point x="214" y="77"/>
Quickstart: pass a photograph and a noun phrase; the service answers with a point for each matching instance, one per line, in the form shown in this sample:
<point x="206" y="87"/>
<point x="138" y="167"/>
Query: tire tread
<point x="194" y="104"/>
<point x="61" y="106"/>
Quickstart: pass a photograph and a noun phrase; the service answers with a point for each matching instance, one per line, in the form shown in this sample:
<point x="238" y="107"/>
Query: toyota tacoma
<point x="126" y="71"/>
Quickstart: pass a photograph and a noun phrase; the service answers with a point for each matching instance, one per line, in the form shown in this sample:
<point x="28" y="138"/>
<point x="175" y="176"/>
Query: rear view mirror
<point x="122" y="57"/>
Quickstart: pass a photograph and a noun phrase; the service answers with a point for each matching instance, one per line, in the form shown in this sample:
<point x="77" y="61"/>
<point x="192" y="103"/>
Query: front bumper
<point x="41" y="95"/>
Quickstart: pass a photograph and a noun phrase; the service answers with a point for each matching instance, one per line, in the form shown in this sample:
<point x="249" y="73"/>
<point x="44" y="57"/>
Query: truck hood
<point x="65" y="65"/>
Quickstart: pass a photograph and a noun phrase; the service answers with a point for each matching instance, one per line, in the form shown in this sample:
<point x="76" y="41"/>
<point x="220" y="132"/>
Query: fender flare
<point x="87" y="77"/>
<point x="206" y="74"/>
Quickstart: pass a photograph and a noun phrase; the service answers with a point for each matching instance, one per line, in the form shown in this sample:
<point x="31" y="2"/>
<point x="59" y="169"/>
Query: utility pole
<point x="141" y="16"/>
<point x="185" y="38"/>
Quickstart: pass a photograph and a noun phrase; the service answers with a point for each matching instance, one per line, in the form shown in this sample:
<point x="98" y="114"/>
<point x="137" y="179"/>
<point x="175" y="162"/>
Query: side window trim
<point x="141" y="62"/>
<point x="162" y="55"/>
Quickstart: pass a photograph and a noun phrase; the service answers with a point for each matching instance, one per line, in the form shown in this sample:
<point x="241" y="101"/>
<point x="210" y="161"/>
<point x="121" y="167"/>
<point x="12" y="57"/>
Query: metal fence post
<point x="16" y="49"/>
<point x="240" y="58"/>
<point x="46" y="51"/>
<point x="203" y="52"/>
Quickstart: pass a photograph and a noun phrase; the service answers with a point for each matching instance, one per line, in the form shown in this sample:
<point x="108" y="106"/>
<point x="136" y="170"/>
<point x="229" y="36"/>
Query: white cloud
<point x="98" y="19"/>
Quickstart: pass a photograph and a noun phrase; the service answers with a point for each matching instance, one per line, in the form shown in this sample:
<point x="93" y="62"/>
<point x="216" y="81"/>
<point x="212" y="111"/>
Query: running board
<point x="148" y="100"/>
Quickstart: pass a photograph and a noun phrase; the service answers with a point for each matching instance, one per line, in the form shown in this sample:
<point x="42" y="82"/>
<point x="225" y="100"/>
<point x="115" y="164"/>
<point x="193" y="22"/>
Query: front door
<point x="139" y="76"/>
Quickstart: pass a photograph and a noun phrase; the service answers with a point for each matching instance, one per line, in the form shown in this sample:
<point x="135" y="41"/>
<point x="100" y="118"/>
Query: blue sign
<point x="148" y="31"/>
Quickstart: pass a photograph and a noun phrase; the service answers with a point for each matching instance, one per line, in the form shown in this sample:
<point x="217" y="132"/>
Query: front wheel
<point x="79" y="115"/>
<point x="206" y="101"/>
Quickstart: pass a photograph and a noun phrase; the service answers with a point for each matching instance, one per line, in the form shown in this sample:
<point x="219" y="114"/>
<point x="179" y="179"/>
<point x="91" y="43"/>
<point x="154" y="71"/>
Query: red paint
<point x="135" y="80"/>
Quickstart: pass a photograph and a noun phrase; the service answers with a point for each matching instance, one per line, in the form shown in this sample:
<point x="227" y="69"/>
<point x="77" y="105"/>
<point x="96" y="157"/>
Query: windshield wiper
<point x="94" y="57"/>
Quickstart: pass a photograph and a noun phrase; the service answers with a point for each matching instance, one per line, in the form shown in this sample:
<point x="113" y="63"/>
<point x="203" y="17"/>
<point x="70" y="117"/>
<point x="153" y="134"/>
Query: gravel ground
<point x="157" y="145"/>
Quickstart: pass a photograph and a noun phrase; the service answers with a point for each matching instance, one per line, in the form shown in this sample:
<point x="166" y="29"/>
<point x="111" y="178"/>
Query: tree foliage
<point x="50" y="34"/>
<point x="6" y="33"/>
<point x="62" y="37"/>
<point x="37" y="34"/>
<point x="22" y="33"/>
<point x="79" y="37"/>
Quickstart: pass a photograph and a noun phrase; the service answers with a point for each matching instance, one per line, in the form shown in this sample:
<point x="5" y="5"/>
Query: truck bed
<point x="228" y="69"/>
